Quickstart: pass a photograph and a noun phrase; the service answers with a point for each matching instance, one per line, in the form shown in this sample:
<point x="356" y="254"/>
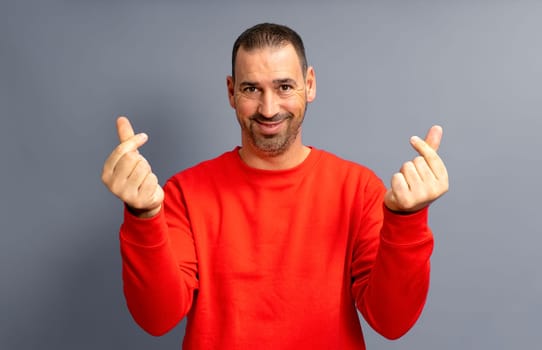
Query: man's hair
<point x="269" y="35"/>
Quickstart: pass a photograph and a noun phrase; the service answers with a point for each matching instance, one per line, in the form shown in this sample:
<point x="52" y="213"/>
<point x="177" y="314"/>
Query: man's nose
<point x="269" y="104"/>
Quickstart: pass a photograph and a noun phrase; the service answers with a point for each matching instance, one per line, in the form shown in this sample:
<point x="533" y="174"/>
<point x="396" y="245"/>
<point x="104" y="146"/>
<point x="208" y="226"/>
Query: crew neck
<point x="309" y="159"/>
<point x="281" y="177"/>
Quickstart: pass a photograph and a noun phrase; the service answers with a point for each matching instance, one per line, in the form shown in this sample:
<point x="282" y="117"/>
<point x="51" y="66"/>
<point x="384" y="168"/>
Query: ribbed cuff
<point x="147" y="232"/>
<point x="405" y="229"/>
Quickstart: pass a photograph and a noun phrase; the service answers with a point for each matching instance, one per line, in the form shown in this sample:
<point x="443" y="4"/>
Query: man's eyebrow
<point x="289" y="81"/>
<point x="248" y="83"/>
<point x="282" y="81"/>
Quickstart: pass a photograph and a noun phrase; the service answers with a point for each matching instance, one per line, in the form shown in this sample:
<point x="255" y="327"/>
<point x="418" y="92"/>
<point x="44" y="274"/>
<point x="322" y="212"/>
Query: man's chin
<point x="272" y="150"/>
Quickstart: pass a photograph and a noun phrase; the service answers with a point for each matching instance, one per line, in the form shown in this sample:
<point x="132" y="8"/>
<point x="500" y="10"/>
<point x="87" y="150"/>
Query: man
<point x="274" y="245"/>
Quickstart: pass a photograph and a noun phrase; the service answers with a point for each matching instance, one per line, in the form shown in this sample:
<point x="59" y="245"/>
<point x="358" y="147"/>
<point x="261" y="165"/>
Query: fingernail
<point x="414" y="139"/>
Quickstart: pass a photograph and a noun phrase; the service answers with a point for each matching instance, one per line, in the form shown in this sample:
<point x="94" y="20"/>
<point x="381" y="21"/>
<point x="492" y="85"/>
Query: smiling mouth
<point x="268" y="128"/>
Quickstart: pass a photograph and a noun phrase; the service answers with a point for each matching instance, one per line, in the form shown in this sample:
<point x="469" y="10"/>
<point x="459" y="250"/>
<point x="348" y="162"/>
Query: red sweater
<point x="276" y="259"/>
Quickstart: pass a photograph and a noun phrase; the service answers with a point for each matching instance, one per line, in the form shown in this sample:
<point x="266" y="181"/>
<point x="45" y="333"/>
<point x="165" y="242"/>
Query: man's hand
<point x="129" y="176"/>
<point x="421" y="180"/>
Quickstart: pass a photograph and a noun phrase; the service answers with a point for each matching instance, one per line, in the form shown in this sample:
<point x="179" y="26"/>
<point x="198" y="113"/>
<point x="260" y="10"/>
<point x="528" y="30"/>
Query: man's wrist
<point x="143" y="213"/>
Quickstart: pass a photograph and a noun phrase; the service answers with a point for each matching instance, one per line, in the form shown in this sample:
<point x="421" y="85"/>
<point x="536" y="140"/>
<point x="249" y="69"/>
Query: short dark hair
<point x="269" y="35"/>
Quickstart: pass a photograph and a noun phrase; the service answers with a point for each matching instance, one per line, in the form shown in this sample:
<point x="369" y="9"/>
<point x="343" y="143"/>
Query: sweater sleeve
<point x="391" y="266"/>
<point x="159" y="266"/>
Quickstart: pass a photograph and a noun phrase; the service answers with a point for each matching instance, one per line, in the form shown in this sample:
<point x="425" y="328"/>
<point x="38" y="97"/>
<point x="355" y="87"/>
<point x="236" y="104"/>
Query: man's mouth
<point x="268" y="128"/>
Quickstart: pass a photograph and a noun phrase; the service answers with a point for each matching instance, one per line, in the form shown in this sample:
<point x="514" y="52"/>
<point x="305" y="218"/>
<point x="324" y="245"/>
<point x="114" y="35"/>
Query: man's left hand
<point x="421" y="180"/>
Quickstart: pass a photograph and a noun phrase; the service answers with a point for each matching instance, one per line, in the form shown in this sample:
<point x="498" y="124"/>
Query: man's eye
<point x="285" y="88"/>
<point x="250" y="89"/>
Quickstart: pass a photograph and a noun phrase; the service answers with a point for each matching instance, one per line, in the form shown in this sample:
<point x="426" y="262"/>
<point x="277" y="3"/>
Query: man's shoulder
<point x="207" y="167"/>
<point x="328" y="159"/>
<point x="334" y="170"/>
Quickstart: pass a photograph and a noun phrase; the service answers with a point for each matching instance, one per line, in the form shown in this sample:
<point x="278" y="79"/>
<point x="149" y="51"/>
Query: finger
<point x="423" y="169"/>
<point x="431" y="142"/>
<point x="124" y="129"/>
<point x="399" y="184"/>
<point x="400" y="192"/>
<point x="149" y="195"/>
<point x="126" y="133"/>
<point x="158" y="195"/>
<point x="411" y="175"/>
<point x="434" y="136"/>
<point x="119" y="174"/>
<point x="129" y="146"/>
<point x="133" y="143"/>
<point x="423" y="148"/>
<point x="128" y="176"/>
<point x="150" y="190"/>
<point x="113" y="167"/>
<point x="430" y="155"/>
<point x="139" y="172"/>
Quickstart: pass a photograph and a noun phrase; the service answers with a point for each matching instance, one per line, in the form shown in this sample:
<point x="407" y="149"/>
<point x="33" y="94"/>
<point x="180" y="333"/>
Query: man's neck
<point x="287" y="160"/>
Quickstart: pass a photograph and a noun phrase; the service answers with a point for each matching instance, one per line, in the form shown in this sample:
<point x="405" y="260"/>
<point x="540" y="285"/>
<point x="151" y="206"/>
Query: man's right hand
<point x="128" y="175"/>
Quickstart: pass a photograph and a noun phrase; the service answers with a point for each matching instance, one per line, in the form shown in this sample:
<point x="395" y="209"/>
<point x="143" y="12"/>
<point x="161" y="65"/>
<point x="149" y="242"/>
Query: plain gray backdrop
<point x="385" y="70"/>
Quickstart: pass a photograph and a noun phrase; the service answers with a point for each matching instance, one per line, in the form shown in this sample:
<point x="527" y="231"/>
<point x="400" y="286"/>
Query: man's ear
<point x="310" y="84"/>
<point x="231" y="90"/>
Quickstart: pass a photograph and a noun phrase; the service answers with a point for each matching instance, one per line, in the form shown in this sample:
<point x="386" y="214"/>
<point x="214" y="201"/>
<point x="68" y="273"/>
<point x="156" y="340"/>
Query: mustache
<point x="257" y="117"/>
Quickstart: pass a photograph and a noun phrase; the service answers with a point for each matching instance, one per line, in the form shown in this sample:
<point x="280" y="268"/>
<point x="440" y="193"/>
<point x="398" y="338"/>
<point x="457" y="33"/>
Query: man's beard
<point x="276" y="144"/>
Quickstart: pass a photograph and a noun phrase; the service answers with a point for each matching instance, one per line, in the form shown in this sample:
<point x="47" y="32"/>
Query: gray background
<point x="385" y="69"/>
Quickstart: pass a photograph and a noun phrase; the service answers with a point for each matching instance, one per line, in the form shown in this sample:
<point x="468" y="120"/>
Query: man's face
<point x="270" y="96"/>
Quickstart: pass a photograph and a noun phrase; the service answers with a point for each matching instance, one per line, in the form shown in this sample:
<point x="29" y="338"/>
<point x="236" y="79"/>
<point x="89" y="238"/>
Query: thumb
<point x="434" y="136"/>
<point x="124" y="129"/>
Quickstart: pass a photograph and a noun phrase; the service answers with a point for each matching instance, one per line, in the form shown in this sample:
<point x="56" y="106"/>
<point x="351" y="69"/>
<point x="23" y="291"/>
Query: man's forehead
<point x="275" y="60"/>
